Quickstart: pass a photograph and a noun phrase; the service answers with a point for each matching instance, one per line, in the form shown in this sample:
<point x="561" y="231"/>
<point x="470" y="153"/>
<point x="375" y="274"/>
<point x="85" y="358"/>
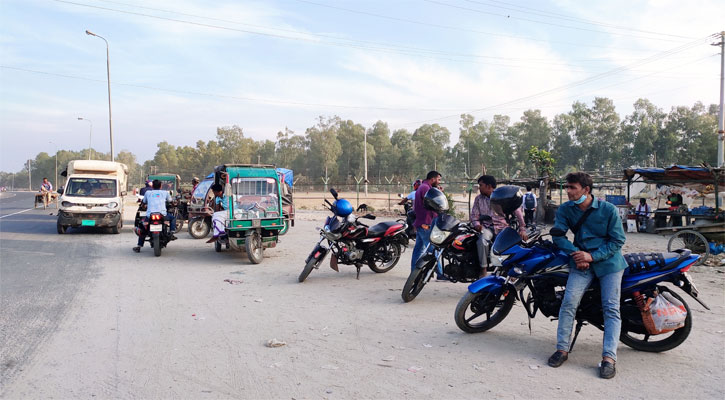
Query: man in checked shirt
<point x="489" y="228"/>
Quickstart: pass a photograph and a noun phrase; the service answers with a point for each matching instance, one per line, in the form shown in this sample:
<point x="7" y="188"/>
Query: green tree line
<point x="587" y="137"/>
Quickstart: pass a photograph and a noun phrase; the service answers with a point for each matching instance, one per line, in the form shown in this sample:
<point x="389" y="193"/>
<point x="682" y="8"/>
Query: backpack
<point x="529" y="201"/>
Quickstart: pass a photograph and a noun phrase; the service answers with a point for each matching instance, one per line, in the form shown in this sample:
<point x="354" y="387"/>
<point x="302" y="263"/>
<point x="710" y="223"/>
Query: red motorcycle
<point x="355" y="243"/>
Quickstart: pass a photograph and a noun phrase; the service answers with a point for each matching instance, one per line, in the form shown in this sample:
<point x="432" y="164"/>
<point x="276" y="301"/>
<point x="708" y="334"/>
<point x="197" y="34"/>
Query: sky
<point x="181" y="68"/>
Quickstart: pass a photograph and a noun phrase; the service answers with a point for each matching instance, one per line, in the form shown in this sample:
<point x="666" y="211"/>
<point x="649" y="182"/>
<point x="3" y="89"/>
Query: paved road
<point x="41" y="274"/>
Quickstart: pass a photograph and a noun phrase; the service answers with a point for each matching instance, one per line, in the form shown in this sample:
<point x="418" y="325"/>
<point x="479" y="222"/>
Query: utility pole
<point x="365" y="151"/>
<point x="30" y="181"/>
<point x="721" y="117"/>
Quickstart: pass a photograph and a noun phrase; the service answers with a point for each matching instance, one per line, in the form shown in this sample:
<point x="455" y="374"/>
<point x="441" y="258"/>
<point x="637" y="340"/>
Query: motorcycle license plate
<point x="256" y="223"/>
<point x="88" y="222"/>
<point x="142" y="213"/>
<point x="155" y="228"/>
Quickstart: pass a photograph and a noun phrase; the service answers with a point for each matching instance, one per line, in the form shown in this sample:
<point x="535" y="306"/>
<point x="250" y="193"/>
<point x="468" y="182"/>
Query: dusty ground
<point x="171" y="327"/>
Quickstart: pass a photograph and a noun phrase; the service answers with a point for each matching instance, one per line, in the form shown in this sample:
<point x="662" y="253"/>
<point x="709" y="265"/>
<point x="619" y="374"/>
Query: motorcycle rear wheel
<point x="492" y="308"/>
<point x="389" y="250"/>
<point x="416" y="281"/>
<point x="308" y="268"/>
<point x="157" y="245"/>
<point x="667" y="341"/>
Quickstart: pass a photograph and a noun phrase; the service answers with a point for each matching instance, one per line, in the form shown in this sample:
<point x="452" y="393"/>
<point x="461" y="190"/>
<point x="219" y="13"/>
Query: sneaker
<point x="607" y="370"/>
<point x="137" y="249"/>
<point x="557" y="359"/>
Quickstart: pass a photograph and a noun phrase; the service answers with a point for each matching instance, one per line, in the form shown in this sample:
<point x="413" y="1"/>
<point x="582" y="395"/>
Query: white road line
<point x="9" y="215"/>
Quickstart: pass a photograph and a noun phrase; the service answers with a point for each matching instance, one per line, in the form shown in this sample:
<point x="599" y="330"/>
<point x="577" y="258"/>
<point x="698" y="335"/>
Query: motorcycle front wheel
<point x="308" y="268"/>
<point x="632" y="326"/>
<point x="479" y="312"/>
<point x="385" y="258"/>
<point x="416" y="281"/>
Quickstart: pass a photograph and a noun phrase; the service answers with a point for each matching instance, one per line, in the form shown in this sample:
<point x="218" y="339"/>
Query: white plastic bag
<point x="668" y="313"/>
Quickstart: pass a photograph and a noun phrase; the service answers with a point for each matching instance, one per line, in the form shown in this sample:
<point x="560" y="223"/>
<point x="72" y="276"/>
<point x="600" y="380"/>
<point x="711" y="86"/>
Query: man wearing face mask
<point x="595" y="254"/>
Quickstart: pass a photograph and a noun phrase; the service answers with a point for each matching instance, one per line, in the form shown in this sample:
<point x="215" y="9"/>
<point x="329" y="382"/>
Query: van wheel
<point x="61" y="228"/>
<point x="117" y="229"/>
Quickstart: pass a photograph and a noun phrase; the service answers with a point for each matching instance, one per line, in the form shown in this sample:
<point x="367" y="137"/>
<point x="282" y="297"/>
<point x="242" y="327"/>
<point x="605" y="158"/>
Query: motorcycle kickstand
<point x="358" y="266"/>
<point x="577" y="329"/>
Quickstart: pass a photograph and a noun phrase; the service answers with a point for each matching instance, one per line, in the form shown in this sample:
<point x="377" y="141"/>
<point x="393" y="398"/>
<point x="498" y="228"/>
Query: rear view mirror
<point x="60" y="190"/>
<point x="334" y="193"/>
<point x="556" y="232"/>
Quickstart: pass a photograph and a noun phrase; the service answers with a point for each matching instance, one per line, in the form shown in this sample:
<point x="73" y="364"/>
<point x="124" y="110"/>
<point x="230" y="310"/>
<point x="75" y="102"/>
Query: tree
<point x="430" y="141"/>
<point x="407" y="165"/>
<point x="533" y="130"/>
<point x="639" y="132"/>
<point x="324" y="147"/>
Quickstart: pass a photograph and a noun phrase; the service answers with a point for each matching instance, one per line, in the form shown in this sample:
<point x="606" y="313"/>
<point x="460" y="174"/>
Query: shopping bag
<point x="667" y="313"/>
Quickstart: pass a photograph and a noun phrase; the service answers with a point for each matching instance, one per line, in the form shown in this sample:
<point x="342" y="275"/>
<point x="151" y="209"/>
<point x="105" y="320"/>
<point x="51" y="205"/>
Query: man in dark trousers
<point x="529" y="206"/>
<point x="595" y="254"/>
<point x="423" y="216"/>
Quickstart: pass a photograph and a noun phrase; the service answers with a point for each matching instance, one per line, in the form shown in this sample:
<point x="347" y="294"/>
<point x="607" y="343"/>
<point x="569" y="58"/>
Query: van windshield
<point x="91" y="187"/>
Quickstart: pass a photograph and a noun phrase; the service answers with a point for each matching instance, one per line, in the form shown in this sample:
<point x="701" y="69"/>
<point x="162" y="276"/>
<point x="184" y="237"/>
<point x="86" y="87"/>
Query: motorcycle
<point x="453" y="246"/>
<point x="409" y="215"/>
<point x="536" y="272"/>
<point x="154" y="227"/>
<point x="353" y="242"/>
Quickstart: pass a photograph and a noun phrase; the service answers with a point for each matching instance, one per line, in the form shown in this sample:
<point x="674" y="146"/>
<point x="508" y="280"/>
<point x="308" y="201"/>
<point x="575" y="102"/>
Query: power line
<point x="569" y="18"/>
<point x="581" y="82"/>
<point x="542" y="22"/>
<point x="458" y="28"/>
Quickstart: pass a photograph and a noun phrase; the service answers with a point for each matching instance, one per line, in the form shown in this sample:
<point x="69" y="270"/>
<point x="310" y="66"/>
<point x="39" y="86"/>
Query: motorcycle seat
<point x="640" y="262"/>
<point x="380" y="229"/>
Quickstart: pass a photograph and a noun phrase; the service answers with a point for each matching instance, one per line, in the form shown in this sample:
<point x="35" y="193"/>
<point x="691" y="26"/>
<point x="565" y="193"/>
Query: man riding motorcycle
<point x="155" y="201"/>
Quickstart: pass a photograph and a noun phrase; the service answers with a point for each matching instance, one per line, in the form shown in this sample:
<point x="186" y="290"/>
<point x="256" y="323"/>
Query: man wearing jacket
<point x="595" y="254"/>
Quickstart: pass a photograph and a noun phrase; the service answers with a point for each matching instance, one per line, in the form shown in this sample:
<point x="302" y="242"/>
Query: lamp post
<point x="56" y="165"/>
<point x="108" y="70"/>
<point x="365" y="150"/>
<point x="90" y="135"/>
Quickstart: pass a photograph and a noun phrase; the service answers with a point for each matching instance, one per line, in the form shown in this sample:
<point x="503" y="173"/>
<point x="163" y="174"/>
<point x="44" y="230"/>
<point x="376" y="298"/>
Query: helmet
<point x="342" y="207"/>
<point x="435" y="200"/>
<point x="506" y="199"/>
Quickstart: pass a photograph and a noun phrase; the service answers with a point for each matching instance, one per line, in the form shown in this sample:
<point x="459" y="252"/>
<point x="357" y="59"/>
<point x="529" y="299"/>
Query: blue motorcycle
<point x="535" y="272"/>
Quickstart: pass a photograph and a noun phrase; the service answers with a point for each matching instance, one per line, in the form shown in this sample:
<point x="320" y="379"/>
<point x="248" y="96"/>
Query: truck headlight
<point x="437" y="236"/>
<point x="112" y="204"/>
<point x="66" y="204"/>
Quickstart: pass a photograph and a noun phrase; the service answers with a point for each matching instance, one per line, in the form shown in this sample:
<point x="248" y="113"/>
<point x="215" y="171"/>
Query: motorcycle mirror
<point x="556" y="232"/>
<point x="334" y="193"/>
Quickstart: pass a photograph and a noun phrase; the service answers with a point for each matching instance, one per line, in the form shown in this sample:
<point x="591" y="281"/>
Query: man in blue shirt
<point x="595" y="253"/>
<point x="156" y="200"/>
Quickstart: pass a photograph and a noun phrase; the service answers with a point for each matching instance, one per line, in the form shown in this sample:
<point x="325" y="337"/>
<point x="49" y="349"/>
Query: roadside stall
<point x="700" y="229"/>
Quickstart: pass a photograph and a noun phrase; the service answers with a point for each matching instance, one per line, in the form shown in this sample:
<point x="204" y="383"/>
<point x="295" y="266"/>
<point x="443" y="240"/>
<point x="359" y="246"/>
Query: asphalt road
<point x="40" y="274"/>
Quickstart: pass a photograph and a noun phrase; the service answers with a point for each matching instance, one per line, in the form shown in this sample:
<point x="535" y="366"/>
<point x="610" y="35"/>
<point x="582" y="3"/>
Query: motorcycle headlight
<point x="331" y="235"/>
<point x="112" y="204"/>
<point x="437" y="236"/>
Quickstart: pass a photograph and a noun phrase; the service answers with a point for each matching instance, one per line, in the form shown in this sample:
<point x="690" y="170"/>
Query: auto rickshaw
<point x="200" y="208"/>
<point x="256" y="212"/>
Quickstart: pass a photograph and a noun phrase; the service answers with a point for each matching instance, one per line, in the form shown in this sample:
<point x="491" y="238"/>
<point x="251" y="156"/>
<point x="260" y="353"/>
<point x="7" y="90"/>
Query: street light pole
<point x="90" y="135"/>
<point x="366" y="162"/>
<point x="56" y="165"/>
<point x="721" y="117"/>
<point x="108" y="70"/>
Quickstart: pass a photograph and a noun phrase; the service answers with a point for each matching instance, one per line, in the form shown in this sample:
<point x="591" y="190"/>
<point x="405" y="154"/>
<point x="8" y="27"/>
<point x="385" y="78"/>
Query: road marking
<point x="42" y="253"/>
<point x="9" y="215"/>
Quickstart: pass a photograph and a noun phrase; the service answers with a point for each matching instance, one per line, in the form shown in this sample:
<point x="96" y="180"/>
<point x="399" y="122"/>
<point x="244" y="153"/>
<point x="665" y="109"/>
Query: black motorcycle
<point x="154" y="227"/>
<point x="355" y="243"/>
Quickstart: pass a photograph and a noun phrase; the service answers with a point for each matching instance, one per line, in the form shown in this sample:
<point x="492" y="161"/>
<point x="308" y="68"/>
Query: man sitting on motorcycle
<point x="489" y="227"/>
<point x="411" y="195"/>
<point x="155" y="201"/>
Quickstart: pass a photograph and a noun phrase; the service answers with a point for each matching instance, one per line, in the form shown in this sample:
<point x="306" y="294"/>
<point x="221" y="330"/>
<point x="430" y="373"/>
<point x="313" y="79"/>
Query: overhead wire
<point x="544" y="22"/>
<point x="569" y="18"/>
<point x="580" y="82"/>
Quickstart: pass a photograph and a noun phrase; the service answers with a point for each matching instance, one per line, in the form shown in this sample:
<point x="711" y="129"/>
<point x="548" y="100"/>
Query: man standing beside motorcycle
<point x="489" y="227"/>
<point x="423" y="217"/>
<point x="595" y="253"/>
<point x="155" y="200"/>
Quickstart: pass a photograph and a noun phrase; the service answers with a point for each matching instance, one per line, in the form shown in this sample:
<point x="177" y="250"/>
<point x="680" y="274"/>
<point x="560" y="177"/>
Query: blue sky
<point x="179" y="69"/>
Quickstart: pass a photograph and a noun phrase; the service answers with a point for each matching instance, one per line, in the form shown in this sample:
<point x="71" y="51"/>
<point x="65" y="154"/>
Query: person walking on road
<point x="595" y="254"/>
<point x="529" y="206"/>
<point x="423" y="217"/>
<point x="46" y="190"/>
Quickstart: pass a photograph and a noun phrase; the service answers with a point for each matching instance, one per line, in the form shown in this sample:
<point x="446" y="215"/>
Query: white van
<point x="93" y="195"/>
